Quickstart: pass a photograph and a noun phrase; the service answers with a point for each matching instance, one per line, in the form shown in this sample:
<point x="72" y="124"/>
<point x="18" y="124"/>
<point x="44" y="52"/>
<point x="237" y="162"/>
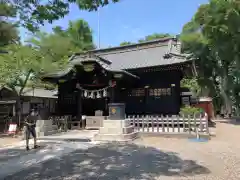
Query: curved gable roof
<point x="147" y="54"/>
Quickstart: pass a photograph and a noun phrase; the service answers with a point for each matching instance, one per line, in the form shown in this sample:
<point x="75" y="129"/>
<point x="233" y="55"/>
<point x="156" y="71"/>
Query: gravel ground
<point x="148" y="158"/>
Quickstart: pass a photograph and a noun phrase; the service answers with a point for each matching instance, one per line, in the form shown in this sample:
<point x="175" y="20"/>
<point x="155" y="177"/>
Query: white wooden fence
<point x="173" y="124"/>
<point x="150" y="124"/>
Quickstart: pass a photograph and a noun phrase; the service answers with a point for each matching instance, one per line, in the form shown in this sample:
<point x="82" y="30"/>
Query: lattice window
<point x="137" y="92"/>
<point x="160" y="92"/>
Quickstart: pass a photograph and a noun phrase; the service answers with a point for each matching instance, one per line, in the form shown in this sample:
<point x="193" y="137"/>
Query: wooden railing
<point x="173" y="124"/>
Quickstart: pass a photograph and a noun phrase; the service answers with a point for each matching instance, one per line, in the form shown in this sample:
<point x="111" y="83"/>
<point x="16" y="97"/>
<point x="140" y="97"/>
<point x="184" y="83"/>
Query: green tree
<point x="61" y="43"/>
<point x="20" y="67"/>
<point x="80" y="34"/>
<point x="32" y="13"/>
<point x="53" y="47"/>
<point x="212" y="38"/>
<point x="148" y="38"/>
<point x="8" y="30"/>
<point x="125" y="43"/>
<point x="191" y="84"/>
<point x="154" y="36"/>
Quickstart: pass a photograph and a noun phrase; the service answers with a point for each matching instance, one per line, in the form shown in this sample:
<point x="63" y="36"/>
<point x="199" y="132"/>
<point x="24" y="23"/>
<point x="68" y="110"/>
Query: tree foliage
<point x="20" y="67"/>
<point x="23" y="65"/>
<point x="191" y="84"/>
<point x="80" y="34"/>
<point x="61" y="44"/>
<point x="148" y="38"/>
<point x="8" y="29"/>
<point x="212" y="38"/>
<point x="125" y="43"/>
<point x="33" y="13"/>
<point x="154" y="37"/>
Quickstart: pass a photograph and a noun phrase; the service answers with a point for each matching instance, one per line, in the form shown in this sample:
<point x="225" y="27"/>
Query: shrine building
<point x="145" y="77"/>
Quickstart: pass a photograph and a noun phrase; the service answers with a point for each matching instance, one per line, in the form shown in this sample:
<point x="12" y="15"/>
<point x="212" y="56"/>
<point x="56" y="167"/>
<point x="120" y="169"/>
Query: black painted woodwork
<point x="122" y="93"/>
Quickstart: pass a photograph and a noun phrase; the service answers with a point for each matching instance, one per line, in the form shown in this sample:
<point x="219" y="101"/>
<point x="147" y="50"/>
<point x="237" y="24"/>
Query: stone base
<point x="45" y="128"/>
<point x="116" y="130"/>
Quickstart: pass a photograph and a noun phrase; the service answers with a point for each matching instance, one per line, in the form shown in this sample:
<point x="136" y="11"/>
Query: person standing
<point x="30" y="124"/>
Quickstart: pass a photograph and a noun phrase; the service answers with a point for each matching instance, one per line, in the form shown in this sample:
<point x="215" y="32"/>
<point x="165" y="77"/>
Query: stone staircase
<point x="116" y="130"/>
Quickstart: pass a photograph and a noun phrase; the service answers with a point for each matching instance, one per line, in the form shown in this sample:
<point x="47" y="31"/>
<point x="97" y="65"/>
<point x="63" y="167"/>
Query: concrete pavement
<point x="15" y="158"/>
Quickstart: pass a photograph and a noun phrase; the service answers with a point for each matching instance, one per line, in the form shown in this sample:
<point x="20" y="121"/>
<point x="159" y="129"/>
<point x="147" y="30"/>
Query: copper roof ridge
<point x="133" y="45"/>
<point x="130" y="50"/>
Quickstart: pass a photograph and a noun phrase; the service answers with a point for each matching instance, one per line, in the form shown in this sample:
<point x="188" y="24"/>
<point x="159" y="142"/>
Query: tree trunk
<point x="223" y="89"/>
<point x="18" y="111"/>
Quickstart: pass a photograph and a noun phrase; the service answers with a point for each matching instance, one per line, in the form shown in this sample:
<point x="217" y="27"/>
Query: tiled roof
<point x="165" y="51"/>
<point x="40" y="93"/>
<point x="140" y="55"/>
<point x="36" y="92"/>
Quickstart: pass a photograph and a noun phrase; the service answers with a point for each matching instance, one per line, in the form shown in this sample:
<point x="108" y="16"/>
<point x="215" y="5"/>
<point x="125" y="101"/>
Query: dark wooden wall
<point x="67" y="98"/>
<point x="142" y="100"/>
<point x="161" y="97"/>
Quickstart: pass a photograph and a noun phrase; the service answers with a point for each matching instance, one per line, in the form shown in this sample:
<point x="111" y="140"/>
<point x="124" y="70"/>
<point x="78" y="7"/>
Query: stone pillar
<point x="45" y="128"/>
<point x="116" y="127"/>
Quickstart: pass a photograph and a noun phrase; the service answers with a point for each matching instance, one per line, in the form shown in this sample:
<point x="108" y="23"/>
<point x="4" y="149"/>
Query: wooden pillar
<point x="112" y="94"/>
<point x="112" y="91"/>
<point x="79" y="105"/>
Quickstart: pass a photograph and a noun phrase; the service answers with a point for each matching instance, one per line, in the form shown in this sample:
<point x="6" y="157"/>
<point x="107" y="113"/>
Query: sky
<point x="131" y="20"/>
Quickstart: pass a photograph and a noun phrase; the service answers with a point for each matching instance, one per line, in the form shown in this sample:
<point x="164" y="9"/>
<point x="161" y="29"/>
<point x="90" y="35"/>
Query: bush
<point x="190" y="111"/>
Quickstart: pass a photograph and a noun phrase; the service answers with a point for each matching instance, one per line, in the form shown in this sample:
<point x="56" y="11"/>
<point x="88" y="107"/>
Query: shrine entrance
<point x="94" y="84"/>
<point x="90" y="86"/>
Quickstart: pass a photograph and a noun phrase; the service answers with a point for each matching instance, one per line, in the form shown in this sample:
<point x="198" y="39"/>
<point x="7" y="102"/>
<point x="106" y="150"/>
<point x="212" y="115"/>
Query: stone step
<point x="116" y="130"/>
<point x="115" y="137"/>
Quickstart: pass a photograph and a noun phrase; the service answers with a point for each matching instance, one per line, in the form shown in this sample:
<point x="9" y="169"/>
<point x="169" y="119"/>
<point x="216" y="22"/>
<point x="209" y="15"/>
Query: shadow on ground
<point x="113" y="161"/>
<point x="211" y="124"/>
<point x="11" y="153"/>
<point x="233" y="121"/>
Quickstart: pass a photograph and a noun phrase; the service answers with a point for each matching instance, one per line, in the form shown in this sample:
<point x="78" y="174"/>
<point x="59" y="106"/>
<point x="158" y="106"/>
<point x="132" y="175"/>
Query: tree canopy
<point x="44" y="53"/>
<point x="148" y="38"/>
<point x="154" y="36"/>
<point x="33" y="13"/>
<point x="125" y="43"/>
<point x="212" y="38"/>
<point x="23" y="65"/>
<point x="8" y="29"/>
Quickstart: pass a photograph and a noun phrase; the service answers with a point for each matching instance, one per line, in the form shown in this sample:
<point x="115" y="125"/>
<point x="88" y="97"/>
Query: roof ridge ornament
<point x="168" y="55"/>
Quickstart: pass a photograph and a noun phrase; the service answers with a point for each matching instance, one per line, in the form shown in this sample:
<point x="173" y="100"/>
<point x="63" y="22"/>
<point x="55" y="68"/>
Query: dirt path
<point x="154" y="158"/>
<point x="220" y="155"/>
<point x="8" y="141"/>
